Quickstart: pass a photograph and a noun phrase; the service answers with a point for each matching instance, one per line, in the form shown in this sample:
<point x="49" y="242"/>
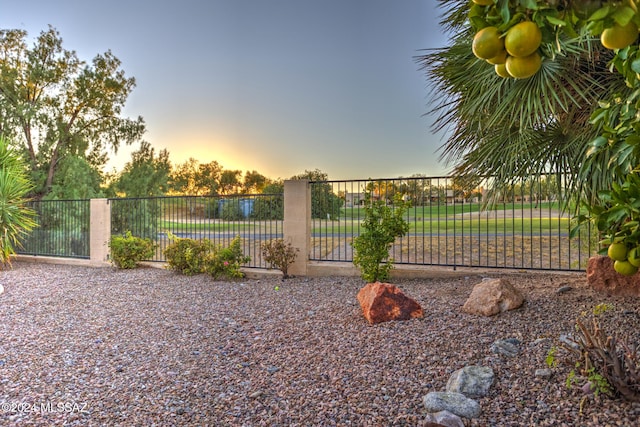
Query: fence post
<point x="99" y="231"/>
<point x="297" y="222"/>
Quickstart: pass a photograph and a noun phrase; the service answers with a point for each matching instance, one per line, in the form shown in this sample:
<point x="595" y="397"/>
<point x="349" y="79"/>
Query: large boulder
<point x="493" y="296"/>
<point x="382" y="302"/>
<point x="603" y="278"/>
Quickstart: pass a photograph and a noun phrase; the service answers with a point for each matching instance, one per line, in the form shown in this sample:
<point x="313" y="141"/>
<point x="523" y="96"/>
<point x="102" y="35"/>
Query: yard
<point x="108" y="347"/>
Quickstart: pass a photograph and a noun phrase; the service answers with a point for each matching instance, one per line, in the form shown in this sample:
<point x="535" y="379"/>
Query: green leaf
<point x="623" y="15"/>
<point x="529" y="4"/>
<point x="633" y="139"/>
<point x="600" y="13"/>
<point x="555" y="21"/>
<point x="505" y="13"/>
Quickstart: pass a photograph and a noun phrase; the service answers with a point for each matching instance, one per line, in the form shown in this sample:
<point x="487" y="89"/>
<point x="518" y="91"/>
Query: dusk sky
<point x="277" y="86"/>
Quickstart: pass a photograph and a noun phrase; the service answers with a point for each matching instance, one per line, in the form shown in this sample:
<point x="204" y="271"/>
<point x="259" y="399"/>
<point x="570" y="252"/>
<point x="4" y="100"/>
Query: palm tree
<point x="513" y="129"/>
<point x="16" y="219"/>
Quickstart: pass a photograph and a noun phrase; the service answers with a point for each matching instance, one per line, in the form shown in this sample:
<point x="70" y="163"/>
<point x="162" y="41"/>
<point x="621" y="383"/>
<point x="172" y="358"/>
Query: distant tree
<point x="194" y="179"/>
<point x="229" y="181"/>
<point x="54" y="105"/>
<point x="183" y="177"/>
<point x="146" y="175"/>
<point x="275" y="187"/>
<point x="418" y="187"/>
<point x="207" y="179"/>
<point x="465" y="186"/>
<point x="270" y="206"/>
<point x="324" y="202"/>
<point x="254" y="182"/>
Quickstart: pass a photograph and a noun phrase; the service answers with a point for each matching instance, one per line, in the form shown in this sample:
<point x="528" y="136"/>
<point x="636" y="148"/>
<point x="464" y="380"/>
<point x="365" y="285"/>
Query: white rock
<point x="472" y="381"/>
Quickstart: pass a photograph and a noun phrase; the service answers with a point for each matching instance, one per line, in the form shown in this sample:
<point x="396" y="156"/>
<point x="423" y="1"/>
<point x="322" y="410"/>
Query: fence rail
<point x="63" y="229"/>
<point x="525" y="228"/>
<point x="255" y="218"/>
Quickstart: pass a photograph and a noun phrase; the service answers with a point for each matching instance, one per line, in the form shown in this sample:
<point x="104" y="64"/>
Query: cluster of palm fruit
<point x="626" y="260"/>
<point x="513" y="47"/>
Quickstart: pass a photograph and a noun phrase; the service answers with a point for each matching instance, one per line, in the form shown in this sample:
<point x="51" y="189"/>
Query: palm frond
<point x="508" y="128"/>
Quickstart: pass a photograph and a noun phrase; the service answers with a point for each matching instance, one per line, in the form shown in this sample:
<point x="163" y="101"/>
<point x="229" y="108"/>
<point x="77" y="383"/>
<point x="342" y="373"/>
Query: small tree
<point x="382" y="225"/>
<point x="16" y="220"/>
<point x="279" y="254"/>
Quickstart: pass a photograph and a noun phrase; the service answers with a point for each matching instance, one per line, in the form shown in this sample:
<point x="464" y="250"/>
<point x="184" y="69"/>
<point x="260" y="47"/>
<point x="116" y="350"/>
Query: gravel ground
<point x="97" y="346"/>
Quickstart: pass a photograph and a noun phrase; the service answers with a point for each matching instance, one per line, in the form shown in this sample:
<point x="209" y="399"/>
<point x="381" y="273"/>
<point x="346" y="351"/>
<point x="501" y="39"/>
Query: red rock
<point x="603" y="278"/>
<point x="493" y="296"/>
<point x="382" y="302"/>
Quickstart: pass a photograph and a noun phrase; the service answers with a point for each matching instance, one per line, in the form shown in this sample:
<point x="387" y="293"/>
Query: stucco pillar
<point x="99" y="231"/>
<point x="297" y="222"/>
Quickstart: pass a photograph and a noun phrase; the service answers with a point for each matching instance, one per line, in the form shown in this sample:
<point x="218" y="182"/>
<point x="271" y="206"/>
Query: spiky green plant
<point x="16" y="219"/>
<point x="512" y="129"/>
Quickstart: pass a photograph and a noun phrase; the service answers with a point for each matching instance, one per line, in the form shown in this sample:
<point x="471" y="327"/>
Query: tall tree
<point x="53" y="105"/>
<point x="183" y="177"/>
<point x="207" y="180"/>
<point x="325" y="203"/>
<point x="229" y="181"/>
<point x="254" y="182"/>
<point x="146" y="175"/>
<point x="194" y="179"/>
<point x="76" y="179"/>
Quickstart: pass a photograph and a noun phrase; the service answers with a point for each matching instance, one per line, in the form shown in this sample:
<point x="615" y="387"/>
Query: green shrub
<point x="382" y="225"/>
<point x="279" y="254"/>
<point x="16" y="219"/>
<point x="268" y="207"/>
<point x="140" y="216"/>
<point x="231" y="210"/>
<point x="127" y="251"/>
<point x="187" y="256"/>
<point x="226" y="262"/>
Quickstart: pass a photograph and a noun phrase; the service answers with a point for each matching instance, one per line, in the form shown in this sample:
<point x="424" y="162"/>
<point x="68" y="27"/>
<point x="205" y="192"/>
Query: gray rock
<point x="563" y="289"/>
<point x="540" y="341"/>
<point x="543" y="373"/>
<point x="568" y="340"/>
<point x="444" y="418"/>
<point x="456" y="403"/>
<point x="472" y="381"/>
<point x="505" y="348"/>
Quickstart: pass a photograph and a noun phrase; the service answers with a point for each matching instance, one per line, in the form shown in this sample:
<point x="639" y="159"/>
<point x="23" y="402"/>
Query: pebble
<point x="564" y="289"/>
<point x="543" y="373"/>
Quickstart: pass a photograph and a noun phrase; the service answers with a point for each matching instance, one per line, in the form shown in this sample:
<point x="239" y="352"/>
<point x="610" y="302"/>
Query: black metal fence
<point x="254" y="218"/>
<point x="63" y="229"/>
<point x="525" y="227"/>
<point x="522" y="227"/>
